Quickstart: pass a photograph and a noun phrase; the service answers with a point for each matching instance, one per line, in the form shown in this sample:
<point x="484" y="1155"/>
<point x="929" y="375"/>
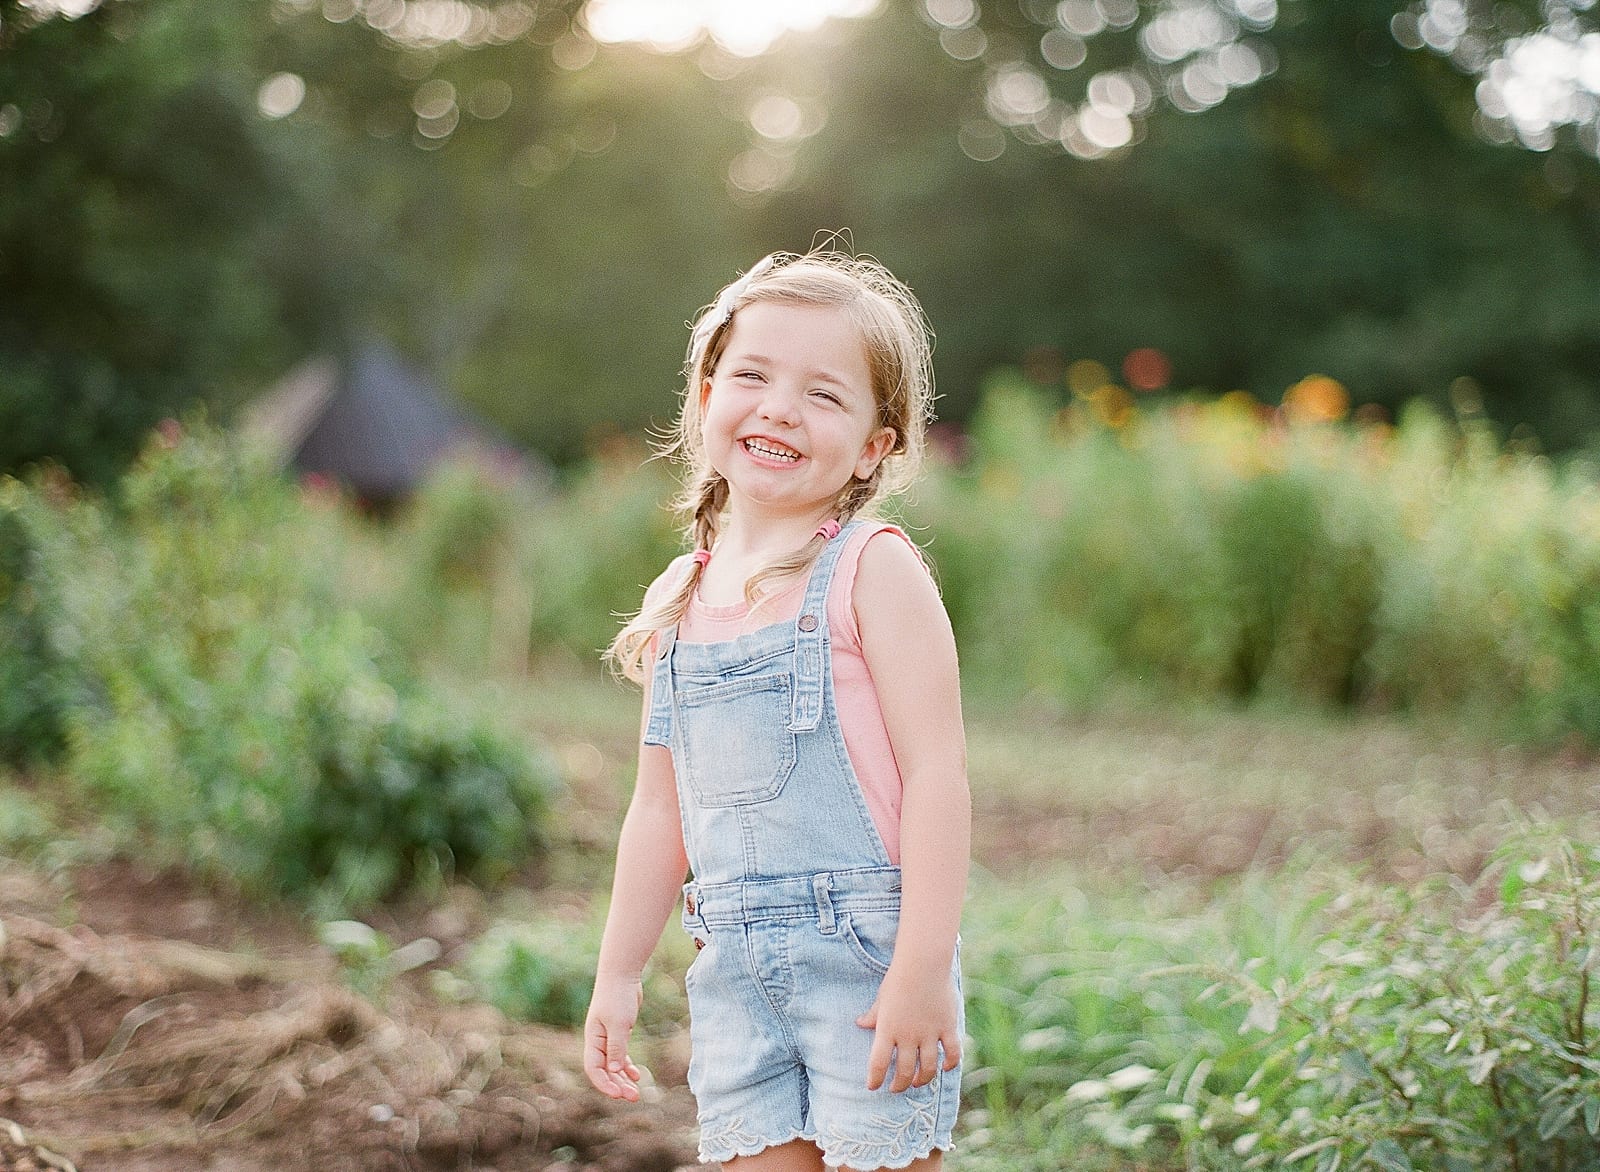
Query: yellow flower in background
<point x="1112" y="404"/>
<point x="1316" y="399"/>
<point x="1086" y="376"/>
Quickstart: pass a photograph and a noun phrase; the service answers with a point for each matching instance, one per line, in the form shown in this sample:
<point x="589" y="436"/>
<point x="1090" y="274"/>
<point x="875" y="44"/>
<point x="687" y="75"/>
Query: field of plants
<point x="1282" y="727"/>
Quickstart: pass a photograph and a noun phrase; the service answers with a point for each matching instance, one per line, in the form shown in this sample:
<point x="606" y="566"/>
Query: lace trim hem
<point x="730" y="1139"/>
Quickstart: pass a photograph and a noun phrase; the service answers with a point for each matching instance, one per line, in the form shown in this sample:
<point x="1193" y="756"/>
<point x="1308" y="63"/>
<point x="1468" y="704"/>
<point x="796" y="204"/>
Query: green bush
<point x="536" y="971"/>
<point x="1324" y="1022"/>
<point x="232" y="715"/>
<point x="453" y="590"/>
<point x="1447" y="1028"/>
<point x="1079" y="1052"/>
<point x="1072" y="560"/>
<point x="1219" y="549"/>
<point x="1302" y="573"/>
<point x="35" y="673"/>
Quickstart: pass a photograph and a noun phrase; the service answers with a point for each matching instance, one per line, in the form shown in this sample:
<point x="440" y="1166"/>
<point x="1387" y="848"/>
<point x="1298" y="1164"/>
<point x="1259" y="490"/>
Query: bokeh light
<point x="1086" y="375"/>
<point x="426" y="24"/>
<point x="1316" y="399"/>
<point x="69" y="9"/>
<point x="1534" y="84"/>
<point x="744" y="28"/>
<point x="1147" y="369"/>
<point x="280" y="95"/>
<point x="1194" y="53"/>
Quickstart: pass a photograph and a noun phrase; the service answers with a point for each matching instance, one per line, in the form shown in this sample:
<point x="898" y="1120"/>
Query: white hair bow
<point x="721" y="313"/>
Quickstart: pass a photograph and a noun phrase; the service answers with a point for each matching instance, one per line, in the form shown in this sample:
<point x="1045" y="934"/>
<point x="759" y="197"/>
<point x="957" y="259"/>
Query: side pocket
<point x="698" y="933"/>
<point x="871" y="936"/>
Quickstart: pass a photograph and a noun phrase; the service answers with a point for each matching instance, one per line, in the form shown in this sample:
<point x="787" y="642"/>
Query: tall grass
<point x="1317" y="1021"/>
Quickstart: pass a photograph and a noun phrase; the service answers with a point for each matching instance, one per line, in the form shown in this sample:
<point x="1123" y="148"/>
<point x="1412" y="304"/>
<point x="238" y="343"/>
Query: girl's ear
<point x="705" y="392"/>
<point x="879" y="444"/>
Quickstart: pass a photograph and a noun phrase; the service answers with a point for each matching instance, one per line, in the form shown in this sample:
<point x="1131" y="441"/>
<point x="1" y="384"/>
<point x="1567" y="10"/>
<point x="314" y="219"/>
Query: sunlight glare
<point x="71" y="9"/>
<point x="745" y="28"/>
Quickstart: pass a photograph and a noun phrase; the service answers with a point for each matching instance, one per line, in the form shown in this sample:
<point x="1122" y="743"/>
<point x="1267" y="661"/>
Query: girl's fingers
<point x="606" y="1062"/>
<point x="905" y="1070"/>
<point x="914" y="1066"/>
<point x="869" y="1019"/>
<point x="878" y="1062"/>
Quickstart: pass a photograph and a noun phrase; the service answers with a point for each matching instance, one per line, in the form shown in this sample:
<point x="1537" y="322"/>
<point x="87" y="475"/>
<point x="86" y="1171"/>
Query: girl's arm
<point x="911" y="653"/>
<point x="651" y="866"/>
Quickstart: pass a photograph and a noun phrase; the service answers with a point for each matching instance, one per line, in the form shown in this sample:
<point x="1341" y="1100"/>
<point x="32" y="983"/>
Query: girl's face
<point x="788" y="417"/>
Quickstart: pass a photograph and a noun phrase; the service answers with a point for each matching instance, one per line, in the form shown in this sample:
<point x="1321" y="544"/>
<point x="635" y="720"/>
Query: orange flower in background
<point x="1147" y="369"/>
<point x="1316" y="399"/>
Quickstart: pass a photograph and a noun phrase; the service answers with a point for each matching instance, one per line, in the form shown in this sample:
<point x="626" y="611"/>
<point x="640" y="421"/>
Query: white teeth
<point x="762" y="449"/>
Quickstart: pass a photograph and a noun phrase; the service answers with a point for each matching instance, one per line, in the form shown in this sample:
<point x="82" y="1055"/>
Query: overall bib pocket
<point x="737" y="747"/>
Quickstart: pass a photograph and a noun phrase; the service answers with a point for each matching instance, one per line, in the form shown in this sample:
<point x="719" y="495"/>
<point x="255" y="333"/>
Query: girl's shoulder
<point x="884" y="545"/>
<point x="890" y="562"/>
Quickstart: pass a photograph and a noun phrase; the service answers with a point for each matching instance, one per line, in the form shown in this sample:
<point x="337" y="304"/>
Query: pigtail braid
<point x="704" y="501"/>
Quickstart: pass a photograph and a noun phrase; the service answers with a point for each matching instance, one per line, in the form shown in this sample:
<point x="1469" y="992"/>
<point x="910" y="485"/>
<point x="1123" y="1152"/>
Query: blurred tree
<point x="145" y="250"/>
<point x="1343" y="212"/>
<point x="198" y="192"/>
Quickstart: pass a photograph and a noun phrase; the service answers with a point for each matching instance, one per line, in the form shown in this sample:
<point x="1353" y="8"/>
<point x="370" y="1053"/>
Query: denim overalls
<point x="794" y="904"/>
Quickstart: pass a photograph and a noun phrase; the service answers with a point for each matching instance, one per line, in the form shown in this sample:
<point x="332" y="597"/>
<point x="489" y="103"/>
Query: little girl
<point x="802" y="752"/>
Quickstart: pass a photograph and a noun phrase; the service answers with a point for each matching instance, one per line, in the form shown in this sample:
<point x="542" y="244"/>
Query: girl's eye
<point x="828" y="396"/>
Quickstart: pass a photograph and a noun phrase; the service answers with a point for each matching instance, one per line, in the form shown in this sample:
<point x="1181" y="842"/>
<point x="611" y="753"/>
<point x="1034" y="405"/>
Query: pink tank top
<point x="866" y="739"/>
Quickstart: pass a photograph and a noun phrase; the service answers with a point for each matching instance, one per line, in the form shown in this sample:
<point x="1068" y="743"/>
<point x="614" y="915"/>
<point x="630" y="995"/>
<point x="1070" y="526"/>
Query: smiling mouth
<point x="771" y="451"/>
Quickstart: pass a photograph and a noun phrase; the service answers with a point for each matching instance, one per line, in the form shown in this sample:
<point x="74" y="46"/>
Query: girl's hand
<point x="612" y="1012"/>
<point x="914" y="1014"/>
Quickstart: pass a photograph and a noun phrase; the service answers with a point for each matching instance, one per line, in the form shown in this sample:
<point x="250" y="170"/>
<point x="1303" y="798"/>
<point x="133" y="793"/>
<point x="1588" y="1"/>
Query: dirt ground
<point x="164" y="1030"/>
<point x="148" y="1024"/>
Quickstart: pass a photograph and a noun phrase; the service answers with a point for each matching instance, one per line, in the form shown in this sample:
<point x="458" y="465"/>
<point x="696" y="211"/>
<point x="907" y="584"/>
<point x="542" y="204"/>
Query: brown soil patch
<point x="145" y="1025"/>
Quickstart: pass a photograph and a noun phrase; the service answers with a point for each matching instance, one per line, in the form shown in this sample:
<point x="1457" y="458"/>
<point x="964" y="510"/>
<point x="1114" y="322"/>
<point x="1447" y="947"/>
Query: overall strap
<point x="658" y="727"/>
<point x="811" y="635"/>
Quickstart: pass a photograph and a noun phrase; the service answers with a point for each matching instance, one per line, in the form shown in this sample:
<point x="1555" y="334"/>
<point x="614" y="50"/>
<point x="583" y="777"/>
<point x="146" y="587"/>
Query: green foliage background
<point x="242" y="678"/>
<point x="161" y="241"/>
<point x="192" y="678"/>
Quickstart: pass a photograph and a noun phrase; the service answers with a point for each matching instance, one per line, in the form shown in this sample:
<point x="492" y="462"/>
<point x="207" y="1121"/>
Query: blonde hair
<point x="899" y="350"/>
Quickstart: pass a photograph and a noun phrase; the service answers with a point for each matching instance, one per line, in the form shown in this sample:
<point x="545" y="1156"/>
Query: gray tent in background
<point x="372" y="423"/>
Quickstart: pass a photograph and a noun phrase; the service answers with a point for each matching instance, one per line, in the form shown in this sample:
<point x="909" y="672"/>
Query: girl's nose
<point x="779" y="405"/>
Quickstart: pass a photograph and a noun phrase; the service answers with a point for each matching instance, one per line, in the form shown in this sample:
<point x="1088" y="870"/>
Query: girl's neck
<point x="744" y="549"/>
<point x="765" y="540"/>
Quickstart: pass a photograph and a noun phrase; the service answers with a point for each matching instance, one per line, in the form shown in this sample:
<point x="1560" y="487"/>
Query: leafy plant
<point x="228" y="712"/>
<point x="1451" y="1026"/>
<point x="368" y="959"/>
<point x="35" y="672"/>
<point x="535" y="970"/>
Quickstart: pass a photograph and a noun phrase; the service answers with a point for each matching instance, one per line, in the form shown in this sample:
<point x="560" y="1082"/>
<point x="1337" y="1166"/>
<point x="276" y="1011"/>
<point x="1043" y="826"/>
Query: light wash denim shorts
<point x="784" y="968"/>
